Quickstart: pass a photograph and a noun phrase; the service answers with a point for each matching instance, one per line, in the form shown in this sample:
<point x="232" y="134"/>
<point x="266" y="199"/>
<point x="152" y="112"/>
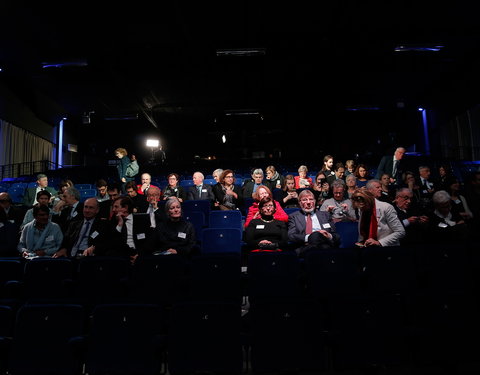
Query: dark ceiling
<point x="158" y="61"/>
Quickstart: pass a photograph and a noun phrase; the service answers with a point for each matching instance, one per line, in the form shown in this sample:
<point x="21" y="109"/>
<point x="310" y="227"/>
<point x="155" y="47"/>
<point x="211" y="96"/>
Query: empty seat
<point x="348" y="232"/>
<point x="42" y="340"/>
<point x="87" y="193"/>
<point x="197" y="218"/>
<point x="205" y="338"/>
<point x="221" y="240"/>
<point x="83" y="186"/>
<point x="226" y="219"/>
<point x="126" y="339"/>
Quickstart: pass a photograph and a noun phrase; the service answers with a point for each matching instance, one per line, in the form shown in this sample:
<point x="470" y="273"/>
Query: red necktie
<point x="308" y="228"/>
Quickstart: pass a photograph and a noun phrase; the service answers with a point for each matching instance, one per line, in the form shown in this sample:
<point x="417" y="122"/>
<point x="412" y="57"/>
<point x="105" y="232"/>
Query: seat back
<point x="348" y="232"/>
<point x="221" y="240"/>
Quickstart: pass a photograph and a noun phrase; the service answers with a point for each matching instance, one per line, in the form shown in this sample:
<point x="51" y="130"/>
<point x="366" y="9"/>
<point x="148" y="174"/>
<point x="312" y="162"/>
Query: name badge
<point x="326" y="226"/>
<point x="49" y="238"/>
<point x="1" y="225"/>
<point x="140" y="236"/>
<point x="74" y="213"/>
<point x="204" y="190"/>
<point x="260" y="226"/>
<point x="94" y="234"/>
<point x="425" y="191"/>
<point x="12" y="221"/>
<point x="442" y="225"/>
<point x="182" y="235"/>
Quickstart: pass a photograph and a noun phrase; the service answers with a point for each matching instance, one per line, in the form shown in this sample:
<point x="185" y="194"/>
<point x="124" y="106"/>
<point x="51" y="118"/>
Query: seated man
<point x="106" y="206"/>
<point x="413" y="221"/>
<point x="129" y="233"/>
<point x="85" y="237"/>
<point x="146" y="183"/>
<point x="40" y="237"/>
<point x="102" y="193"/>
<point x="43" y="197"/>
<point x="339" y="207"/>
<point x="310" y="230"/>
<point x="339" y="173"/>
<point x="71" y="210"/>
<point x="250" y="187"/>
<point x="13" y="214"/>
<point x="153" y="201"/>
<point x="139" y="201"/>
<point x="200" y="191"/>
<point x="29" y="198"/>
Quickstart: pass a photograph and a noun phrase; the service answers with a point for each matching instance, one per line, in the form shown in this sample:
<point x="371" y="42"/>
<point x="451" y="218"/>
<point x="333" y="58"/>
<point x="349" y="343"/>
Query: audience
<point x="12" y="213"/>
<point x="139" y="200"/>
<point x="200" y="191"/>
<point x="274" y="180"/>
<point x="361" y="173"/>
<point x="338" y="173"/>
<point x="321" y="189"/>
<point x="287" y="196"/>
<point x="392" y="165"/>
<point x="69" y="209"/>
<point x="250" y="187"/>
<point x="102" y="187"/>
<point x="30" y="195"/>
<point x="146" y="180"/>
<point x="339" y="207"/>
<point x="349" y="167"/>
<point x="388" y="191"/>
<point x="351" y="182"/>
<point x="327" y="167"/>
<point x="302" y="181"/>
<point x="43" y="197"/>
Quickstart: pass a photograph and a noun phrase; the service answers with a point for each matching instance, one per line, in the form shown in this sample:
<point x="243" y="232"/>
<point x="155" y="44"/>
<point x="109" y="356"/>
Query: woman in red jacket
<point x="253" y="213"/>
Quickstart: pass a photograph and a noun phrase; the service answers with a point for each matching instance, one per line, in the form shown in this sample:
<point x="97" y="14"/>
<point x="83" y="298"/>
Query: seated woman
<point x="321" y="189"/>
<point x="379" y="224"/>
<point x="266" y="232"/>
<point x="459" y="203"/>
<point x="253" y="211"/>
<point x="302" y="180"/>
<point x="361" y="173"/>
<point x="228" y="196"/>
<point x="287" y="196"/>
<point x="174" y="235"/>
<point x="274" y="178"/>
<point x="173" y="189"/>
<point x="40" y="237"/>
<point x="57" y="202"/>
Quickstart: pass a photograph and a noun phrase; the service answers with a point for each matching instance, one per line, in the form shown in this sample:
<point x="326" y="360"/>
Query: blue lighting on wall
<point x="60" y="143"/>
<point x="425" y="131"/>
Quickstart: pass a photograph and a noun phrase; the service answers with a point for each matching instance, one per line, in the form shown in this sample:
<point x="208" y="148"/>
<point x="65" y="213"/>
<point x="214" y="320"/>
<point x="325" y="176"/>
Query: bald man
<point x="199" y="190"/>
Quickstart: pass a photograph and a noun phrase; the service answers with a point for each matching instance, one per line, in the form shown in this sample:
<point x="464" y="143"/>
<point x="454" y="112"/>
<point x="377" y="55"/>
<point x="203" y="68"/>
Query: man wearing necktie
<point x="391" y="165"/>
<point x="199" y="190"/>
<point x="72" y="210"/>
<point x="309" y="229"/>
<point x="85" y="237"/>
<point x="29" y="198"/>
<point x="427" y="188"/>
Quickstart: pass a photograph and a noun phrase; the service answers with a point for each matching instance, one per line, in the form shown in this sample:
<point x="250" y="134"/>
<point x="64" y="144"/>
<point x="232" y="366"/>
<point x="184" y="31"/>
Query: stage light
<point x="224" y="139"/>
<point x="153" y="143"/>
<point x="420" y="109"/>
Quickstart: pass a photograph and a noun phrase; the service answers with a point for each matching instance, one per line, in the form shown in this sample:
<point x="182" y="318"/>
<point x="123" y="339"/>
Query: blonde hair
<point x="122" y="151"/>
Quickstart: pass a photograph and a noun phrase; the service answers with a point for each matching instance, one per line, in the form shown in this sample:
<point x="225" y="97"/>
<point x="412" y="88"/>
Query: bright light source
<point x="224" y="139"/>
<point x="420" y="109"/>
<point x="153" y="143"/>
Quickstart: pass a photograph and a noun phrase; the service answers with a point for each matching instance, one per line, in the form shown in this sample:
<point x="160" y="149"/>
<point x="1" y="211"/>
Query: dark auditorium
<point x="239" y="188"/>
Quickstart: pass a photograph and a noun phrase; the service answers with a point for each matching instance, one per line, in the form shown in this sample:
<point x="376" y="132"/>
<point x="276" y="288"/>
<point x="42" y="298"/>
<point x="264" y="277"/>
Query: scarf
<point x="369" y="224"/>
<point x="33" y="246"/>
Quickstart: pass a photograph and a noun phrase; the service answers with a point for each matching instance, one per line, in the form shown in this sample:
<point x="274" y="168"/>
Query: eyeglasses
<point x="406" y="197"/>
<point x="358" y="199"/>
<point x="268" y="206"/>
<point x="228" y="176"/>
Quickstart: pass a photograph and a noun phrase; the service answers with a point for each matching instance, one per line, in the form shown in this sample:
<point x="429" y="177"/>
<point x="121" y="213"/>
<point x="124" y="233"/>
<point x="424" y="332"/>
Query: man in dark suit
<point x="30" y="196"/>
<point x="392" y="165"/>
<point x="250" y="187"/>
<point x="310" y="230"/>
<point x="85" y="237"/>
<point x="339" y="173"/>
<point x="139" y="201"/>
<point x="105" y="212"/>
<point x="200" y="191"/>
<point x="72" y="209"/>
<point x="12" y="214"/>
<point x="415" y="223"/>
<point x="130" y="233"/>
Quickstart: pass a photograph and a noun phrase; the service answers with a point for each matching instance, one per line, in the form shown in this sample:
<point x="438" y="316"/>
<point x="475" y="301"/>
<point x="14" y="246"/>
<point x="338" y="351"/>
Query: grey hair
<point x="217" y="172"/>
<point x="201" y="175"/>
<point x="74" y="192"/>
<point x="350" y="177"/>
<point x="369" y="184"/>
<point x="257" y="171"/>
<point x="403" y="190"/>
<point x="440" y="197"/>
<point x="338" y="183"/>
<point x="169" y="202"/>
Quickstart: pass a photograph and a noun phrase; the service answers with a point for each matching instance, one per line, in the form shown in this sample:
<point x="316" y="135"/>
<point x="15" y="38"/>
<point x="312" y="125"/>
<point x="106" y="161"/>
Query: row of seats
<point x="267" y="277"/>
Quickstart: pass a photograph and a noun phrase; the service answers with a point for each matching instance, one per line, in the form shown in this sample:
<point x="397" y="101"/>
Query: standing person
<point x="29" y="198"/>
<point x="392" y="164"/>
<point x="379" y="224"/>
<point x="122" y="166"/>
<point x="228" y="196"/>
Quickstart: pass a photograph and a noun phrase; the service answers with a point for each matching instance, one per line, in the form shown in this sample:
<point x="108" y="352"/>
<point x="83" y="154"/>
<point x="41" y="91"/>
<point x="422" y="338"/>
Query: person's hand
<point x="144" y="186"/>
<point x="372" y="242"/>
<point x="330" y="208"/>
<point x="40" y="253"/>
<point x="60" y="253"/>
<point x="412" y="219"/>
<point x="89" y="251"/>
<point x="423" y="219"/>
<point x="123" y="179"/>
<point x="172" y="251"/>
<point x="344" y="206"/>
<point x="265" y="242"/>
<point x="25" y="254"/>
<point x="324" y="233"/>
<point x="133" y="258"/>
<point x="120" y="220"/>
